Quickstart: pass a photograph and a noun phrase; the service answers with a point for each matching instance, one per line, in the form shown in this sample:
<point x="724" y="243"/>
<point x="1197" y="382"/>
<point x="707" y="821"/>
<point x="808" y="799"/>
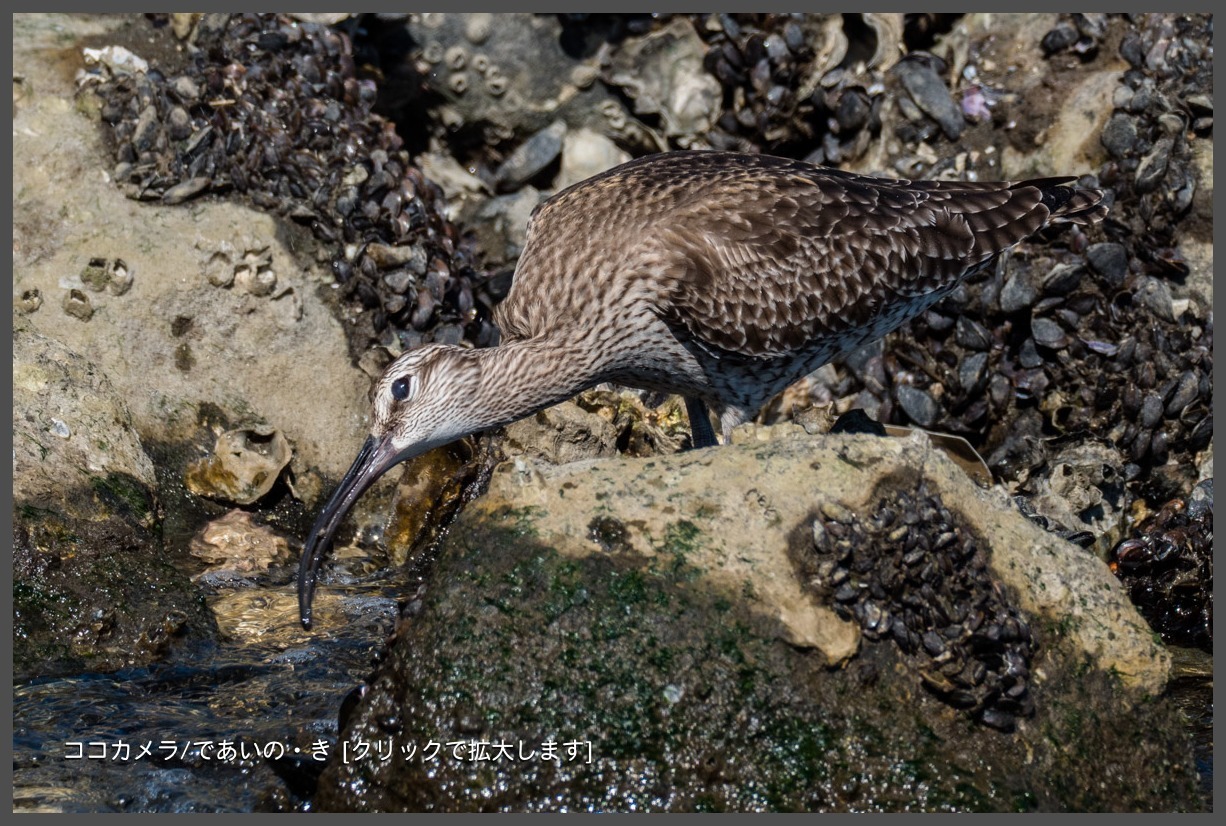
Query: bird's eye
<point x="400" y="388"/>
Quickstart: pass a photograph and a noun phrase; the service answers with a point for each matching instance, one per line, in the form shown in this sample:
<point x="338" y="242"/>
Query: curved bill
<point x="373" y="460"/>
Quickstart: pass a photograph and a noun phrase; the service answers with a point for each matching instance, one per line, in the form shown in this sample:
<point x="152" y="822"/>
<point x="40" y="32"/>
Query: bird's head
<point x="421" y="401"/>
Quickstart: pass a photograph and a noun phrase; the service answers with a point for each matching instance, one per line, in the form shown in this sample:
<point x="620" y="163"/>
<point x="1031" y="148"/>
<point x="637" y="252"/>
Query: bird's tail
<point x="1070" y="204"/>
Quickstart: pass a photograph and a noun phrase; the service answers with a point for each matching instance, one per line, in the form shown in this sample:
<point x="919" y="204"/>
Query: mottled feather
<point x="721" y="277"/>
<point x="759" y="256"/>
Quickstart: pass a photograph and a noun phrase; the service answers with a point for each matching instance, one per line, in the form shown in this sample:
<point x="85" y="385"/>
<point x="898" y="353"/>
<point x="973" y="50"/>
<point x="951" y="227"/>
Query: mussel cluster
<point x="912" y="572"/>
<point x="1083" y="337"/>
<point x="1056" y="351"/>
<point x="817" y="85"/>
<point x="275" y="110"/>
<point x="1163" y="103"/>
<point x="759" y="59"/>
<point x="804" y="82"/>
<point x="1167" y="565"/>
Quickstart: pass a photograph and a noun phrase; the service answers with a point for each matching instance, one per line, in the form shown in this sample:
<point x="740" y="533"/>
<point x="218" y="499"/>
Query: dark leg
<point x="700" y="424"/>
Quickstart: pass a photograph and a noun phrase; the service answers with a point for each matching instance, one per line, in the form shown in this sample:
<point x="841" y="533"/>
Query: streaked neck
<point x="519" y="378"/>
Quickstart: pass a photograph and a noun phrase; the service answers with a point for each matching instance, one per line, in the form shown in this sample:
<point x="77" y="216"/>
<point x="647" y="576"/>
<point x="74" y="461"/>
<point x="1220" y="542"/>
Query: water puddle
<point x="225" y="727"/>
<point x="245" y="724"/>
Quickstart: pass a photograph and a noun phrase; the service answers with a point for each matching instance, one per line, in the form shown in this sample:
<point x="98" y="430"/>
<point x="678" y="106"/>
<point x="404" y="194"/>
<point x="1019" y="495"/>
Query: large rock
<point x="221" y="315"/>
<point x="656" y="613"/>
<point x="69" y="424"/>
<point x="511" y="75"/>
<point x="185" y="317"/>
<point x="93" y="587"/>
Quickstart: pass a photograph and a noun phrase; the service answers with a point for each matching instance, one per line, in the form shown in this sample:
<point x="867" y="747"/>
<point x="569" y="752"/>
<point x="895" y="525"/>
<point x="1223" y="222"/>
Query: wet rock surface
<point x="290" y="201"/>
<point x="1167" y="565"/>
<point x="234" y="543"/>
<point x="432" y="489"/>
<point x="243" y="467"/>
<point x="92" y="586"/>
<point x="704" y="697"/>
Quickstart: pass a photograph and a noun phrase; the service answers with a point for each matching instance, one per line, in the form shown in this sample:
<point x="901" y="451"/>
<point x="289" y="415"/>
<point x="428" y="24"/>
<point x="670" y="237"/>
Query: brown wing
<point x="777" y="252"/>
<point x="757" y="255"/>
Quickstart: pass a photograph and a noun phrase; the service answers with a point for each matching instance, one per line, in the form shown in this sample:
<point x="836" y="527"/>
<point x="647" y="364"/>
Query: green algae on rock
<point x="629" y="608"/>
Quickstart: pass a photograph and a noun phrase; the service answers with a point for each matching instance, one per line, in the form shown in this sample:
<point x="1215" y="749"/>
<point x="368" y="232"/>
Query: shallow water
<point x="1192" y="689"/>
<point x="274" y="692"/>
<point x="154" y="739"/>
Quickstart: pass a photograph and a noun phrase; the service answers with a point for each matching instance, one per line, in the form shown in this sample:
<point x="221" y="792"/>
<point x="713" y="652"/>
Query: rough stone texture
<point x="92" y="587"/>
<point x="723" y="525"/>
<point x="561" y="434"/>
<point x="69" y="424"/>
<point x="662" y="74"/>
<point x="586" y="153"/>
<point x="781" y="485"/>
<point x="243" y="467"/>
<point x="1072" y="143"/>
<point x="279" y="359"/>
<point x="512" y="77"/>
<point x="1197" y="248"/>
<point x="621" y="603"/>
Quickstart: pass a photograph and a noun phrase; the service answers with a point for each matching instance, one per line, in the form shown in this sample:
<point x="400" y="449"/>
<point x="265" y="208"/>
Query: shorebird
<point x="718" y="276"/>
